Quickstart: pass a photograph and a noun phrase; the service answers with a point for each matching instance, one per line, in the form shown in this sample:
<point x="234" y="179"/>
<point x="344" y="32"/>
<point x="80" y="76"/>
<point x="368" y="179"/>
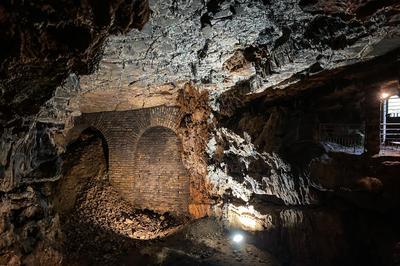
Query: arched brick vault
<point x="160" y="182"/>
<point x="122" y="131"/>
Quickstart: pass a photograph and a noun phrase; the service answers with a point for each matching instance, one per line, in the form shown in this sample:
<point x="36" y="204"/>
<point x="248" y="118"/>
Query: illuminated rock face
<point x="41" y="43"/>
<point x="247" y="172"/>
<point x="266" y="43"/>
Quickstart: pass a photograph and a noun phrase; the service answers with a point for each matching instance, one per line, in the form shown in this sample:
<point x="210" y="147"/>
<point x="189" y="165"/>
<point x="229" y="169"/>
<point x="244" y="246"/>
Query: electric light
<point x="384" y="95"/>
<point x="237" y="238"/>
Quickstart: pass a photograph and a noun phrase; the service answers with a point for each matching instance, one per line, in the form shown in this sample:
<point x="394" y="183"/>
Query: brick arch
<point x="88" y="121"/>
<point x="77" y="130"/>
<point x="163" y="116"/>
<point x="122" y="131"/>
<point x="160" y="181"/>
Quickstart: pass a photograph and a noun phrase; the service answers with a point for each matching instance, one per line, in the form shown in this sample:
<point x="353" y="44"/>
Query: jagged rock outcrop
<point x="41" y="43"/>
<point x="239" y="170"/>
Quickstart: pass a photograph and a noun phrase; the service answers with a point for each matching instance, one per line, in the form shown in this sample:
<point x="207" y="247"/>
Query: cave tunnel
<point x="215" y="132"/>
<point x="389" y="124"/>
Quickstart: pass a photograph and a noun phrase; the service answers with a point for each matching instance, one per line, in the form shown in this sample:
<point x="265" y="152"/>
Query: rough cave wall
<point x="41" y="43"/>
<point x="298" y="232"/>
<point x="160" y="180"/>
<point x="238" y="51"/>
<point x="194" y="130"/>
<point x="268" y="43"/>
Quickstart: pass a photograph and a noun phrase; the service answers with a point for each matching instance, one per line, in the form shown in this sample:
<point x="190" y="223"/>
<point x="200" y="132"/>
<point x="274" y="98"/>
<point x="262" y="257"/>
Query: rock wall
<point x="30" y="230"/>
<point x="194" y="130"/>
<point x="41" y="44"/>
<point x="320" y="216"/>
<point x="239" y="170"/>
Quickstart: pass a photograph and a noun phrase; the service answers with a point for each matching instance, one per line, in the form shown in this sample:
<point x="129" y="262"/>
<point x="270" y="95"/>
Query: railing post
<point x="383" y="115"/>
<point x="372" y="120"/>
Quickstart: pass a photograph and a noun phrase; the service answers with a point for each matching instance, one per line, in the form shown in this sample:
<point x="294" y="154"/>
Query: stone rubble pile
<point x="103" y="226"/>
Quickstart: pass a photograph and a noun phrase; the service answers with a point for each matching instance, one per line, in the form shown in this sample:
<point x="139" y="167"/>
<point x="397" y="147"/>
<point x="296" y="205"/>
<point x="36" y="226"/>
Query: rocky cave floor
<point x="105" y="230"/>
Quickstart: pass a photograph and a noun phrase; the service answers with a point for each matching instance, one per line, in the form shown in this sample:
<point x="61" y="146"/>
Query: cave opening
<point x="389" y="124"/>
<point x="85" y="160"/>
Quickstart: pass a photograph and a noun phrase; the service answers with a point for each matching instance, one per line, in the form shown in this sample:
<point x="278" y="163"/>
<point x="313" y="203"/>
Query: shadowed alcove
<point x="86" y="159"/>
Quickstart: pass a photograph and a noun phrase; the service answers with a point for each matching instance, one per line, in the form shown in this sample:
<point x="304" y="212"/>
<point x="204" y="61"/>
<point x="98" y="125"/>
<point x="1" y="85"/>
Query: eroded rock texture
<point x="267" y="43"/>
<point x="41" y="43"/>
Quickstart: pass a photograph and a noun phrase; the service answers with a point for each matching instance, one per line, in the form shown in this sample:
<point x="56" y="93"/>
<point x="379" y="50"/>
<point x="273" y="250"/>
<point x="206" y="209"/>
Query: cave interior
<point x="215" y="132"/>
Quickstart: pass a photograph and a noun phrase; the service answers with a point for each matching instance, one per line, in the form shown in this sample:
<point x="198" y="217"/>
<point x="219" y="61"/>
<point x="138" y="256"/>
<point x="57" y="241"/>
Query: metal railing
<point x="390" y="137"/>
<point x="347" y="138"/>
<point x="392" y="115"/>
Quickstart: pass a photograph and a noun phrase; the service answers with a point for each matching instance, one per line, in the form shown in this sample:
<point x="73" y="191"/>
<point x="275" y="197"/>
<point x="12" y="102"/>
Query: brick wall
<point x="123" y="132"/>
<point x="160" y="182"/>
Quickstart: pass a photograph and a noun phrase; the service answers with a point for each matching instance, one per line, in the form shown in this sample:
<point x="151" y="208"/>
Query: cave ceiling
<point x="41" y="43"/>
<point x="266" y="45"/>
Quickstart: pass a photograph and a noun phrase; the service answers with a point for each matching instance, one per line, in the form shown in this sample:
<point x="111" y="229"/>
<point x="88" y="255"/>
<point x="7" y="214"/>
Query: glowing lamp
<point x="237" y="238"/>
<point x="384" y="95"/>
